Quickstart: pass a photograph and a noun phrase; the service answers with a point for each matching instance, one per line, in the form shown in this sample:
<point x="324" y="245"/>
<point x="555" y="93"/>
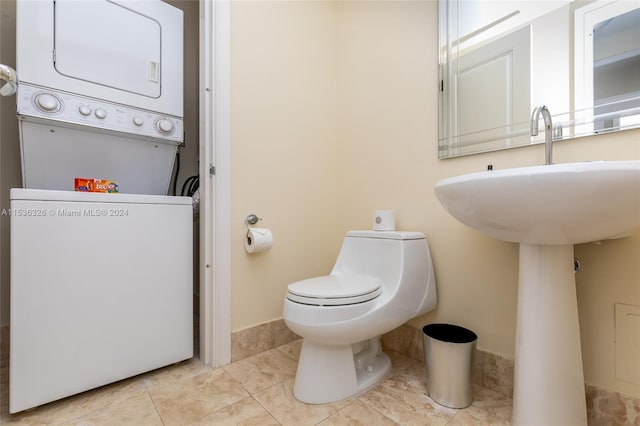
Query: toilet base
<point x="328" y="373"/>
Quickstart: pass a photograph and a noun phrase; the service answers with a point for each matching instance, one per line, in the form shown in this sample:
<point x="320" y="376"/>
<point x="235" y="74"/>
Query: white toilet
<point x="380" y="280"/>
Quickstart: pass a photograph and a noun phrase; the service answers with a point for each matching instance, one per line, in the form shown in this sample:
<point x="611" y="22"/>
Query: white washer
<point x="101" y="290"/>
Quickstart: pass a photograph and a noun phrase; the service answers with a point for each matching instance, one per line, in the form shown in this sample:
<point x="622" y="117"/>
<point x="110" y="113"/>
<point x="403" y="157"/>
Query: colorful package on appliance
<point x="95" y="185"/>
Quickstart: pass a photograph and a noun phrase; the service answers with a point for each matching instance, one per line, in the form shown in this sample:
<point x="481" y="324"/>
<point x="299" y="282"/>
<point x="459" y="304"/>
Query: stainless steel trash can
<point x="448" y="355"/>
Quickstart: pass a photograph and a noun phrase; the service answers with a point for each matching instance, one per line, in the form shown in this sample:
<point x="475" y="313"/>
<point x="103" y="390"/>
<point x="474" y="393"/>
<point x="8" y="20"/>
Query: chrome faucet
<point x="548" y="128"/>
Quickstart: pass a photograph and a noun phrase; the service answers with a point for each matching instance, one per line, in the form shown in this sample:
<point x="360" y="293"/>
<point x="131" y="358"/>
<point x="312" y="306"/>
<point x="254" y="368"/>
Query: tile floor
<point x="256" y="391"/>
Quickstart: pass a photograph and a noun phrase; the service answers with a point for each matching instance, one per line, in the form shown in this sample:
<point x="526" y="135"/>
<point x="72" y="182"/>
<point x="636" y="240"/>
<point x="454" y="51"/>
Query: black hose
<point x="190" y="185"/>
<point x="175" y="178"/>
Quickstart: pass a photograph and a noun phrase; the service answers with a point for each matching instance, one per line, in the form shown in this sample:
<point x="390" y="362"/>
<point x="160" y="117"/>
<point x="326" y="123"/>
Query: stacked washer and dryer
<point x="101" y="284"/>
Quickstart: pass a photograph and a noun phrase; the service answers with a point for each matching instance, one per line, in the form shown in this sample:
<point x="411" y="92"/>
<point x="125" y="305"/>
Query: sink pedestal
<point x="548" y="377"/>
<point x="547" y="209"/>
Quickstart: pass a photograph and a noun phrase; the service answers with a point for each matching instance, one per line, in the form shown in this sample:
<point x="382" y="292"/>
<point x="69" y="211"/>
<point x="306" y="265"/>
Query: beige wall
<point x="283" y="148"/>
<point x="334" y="114"/>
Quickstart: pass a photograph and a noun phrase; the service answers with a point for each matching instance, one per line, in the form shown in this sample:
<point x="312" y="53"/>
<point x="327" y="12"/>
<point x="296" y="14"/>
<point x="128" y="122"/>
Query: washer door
<point x="105" y="43"/>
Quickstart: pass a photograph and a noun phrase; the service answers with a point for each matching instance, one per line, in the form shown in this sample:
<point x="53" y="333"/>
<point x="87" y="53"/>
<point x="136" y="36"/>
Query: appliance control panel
<point x="45" y="103"/>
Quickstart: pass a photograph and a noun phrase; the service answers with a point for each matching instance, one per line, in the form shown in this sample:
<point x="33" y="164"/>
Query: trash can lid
<point x="449" y="333"/>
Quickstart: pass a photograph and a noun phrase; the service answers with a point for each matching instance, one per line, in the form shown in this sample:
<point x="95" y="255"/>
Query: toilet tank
<point x="401" y="260"/>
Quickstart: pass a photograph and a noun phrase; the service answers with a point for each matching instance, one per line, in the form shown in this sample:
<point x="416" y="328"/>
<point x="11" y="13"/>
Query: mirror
<point x="500" y="59"/>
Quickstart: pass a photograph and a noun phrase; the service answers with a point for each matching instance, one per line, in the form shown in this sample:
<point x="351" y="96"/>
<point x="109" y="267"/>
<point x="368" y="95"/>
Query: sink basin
<point x="547" y="209"/>
<point x="567" y="203"/>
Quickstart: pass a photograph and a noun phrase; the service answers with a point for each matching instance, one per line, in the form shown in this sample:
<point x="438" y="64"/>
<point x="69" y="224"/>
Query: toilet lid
<point x="334" y="290"/>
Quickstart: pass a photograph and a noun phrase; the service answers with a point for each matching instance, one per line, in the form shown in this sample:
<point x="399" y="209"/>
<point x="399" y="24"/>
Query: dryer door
<point x="108" y="44"/>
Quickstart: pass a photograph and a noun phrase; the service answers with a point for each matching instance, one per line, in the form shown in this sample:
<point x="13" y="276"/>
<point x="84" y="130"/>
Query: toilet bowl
<point x="380" y="280"/>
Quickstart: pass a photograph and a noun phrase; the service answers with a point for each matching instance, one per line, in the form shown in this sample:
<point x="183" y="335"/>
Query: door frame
<point x="215" y="182"/>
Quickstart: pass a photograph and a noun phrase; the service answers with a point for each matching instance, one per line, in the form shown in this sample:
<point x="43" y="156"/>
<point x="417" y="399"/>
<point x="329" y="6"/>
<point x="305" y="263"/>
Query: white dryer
<point x="125" y="51"/>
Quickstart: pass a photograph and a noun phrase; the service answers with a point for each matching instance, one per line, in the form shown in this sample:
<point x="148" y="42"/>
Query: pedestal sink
<point x="548" y="209"/>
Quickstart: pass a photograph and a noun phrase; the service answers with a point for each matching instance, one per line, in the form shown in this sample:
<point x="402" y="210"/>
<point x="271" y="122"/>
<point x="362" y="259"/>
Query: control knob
<point x="47" y="102"/>
<point x="84" y="110"/>
<point x="100" y="113"/>
<point x="165" y="126"/>
<point x="138" y="121"/>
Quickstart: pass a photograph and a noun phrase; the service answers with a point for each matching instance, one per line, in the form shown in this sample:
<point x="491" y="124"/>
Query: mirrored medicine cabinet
<point x="500" y="59"/>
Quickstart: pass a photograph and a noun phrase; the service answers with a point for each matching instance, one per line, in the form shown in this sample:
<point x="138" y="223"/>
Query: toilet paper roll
<point x="258" y="240"/>
<point x="384" y="220"/>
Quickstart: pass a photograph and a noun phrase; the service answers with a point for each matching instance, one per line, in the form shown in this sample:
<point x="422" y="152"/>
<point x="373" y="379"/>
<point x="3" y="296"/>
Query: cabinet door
<point x="492" y="86"/>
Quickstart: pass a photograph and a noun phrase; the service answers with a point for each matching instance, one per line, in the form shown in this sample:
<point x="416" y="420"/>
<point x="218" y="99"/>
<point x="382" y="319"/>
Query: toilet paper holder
<point x="251" y="219"/>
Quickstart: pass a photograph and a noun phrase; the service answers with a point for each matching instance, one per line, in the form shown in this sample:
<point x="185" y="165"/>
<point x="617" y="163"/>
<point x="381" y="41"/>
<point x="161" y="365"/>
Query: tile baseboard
<point x="605" y="407"/>
<point x="260" y="338"/>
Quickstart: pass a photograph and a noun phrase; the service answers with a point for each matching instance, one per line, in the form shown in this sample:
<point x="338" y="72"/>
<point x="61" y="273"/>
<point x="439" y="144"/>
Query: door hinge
<point x="212" y="170"/>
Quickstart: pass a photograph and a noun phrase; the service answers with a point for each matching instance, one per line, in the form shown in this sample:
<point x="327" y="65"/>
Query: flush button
<point x="100" y="113"/>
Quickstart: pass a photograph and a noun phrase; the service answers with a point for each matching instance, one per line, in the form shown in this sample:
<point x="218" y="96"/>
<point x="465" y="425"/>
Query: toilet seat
<point x="335" y="290"/>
